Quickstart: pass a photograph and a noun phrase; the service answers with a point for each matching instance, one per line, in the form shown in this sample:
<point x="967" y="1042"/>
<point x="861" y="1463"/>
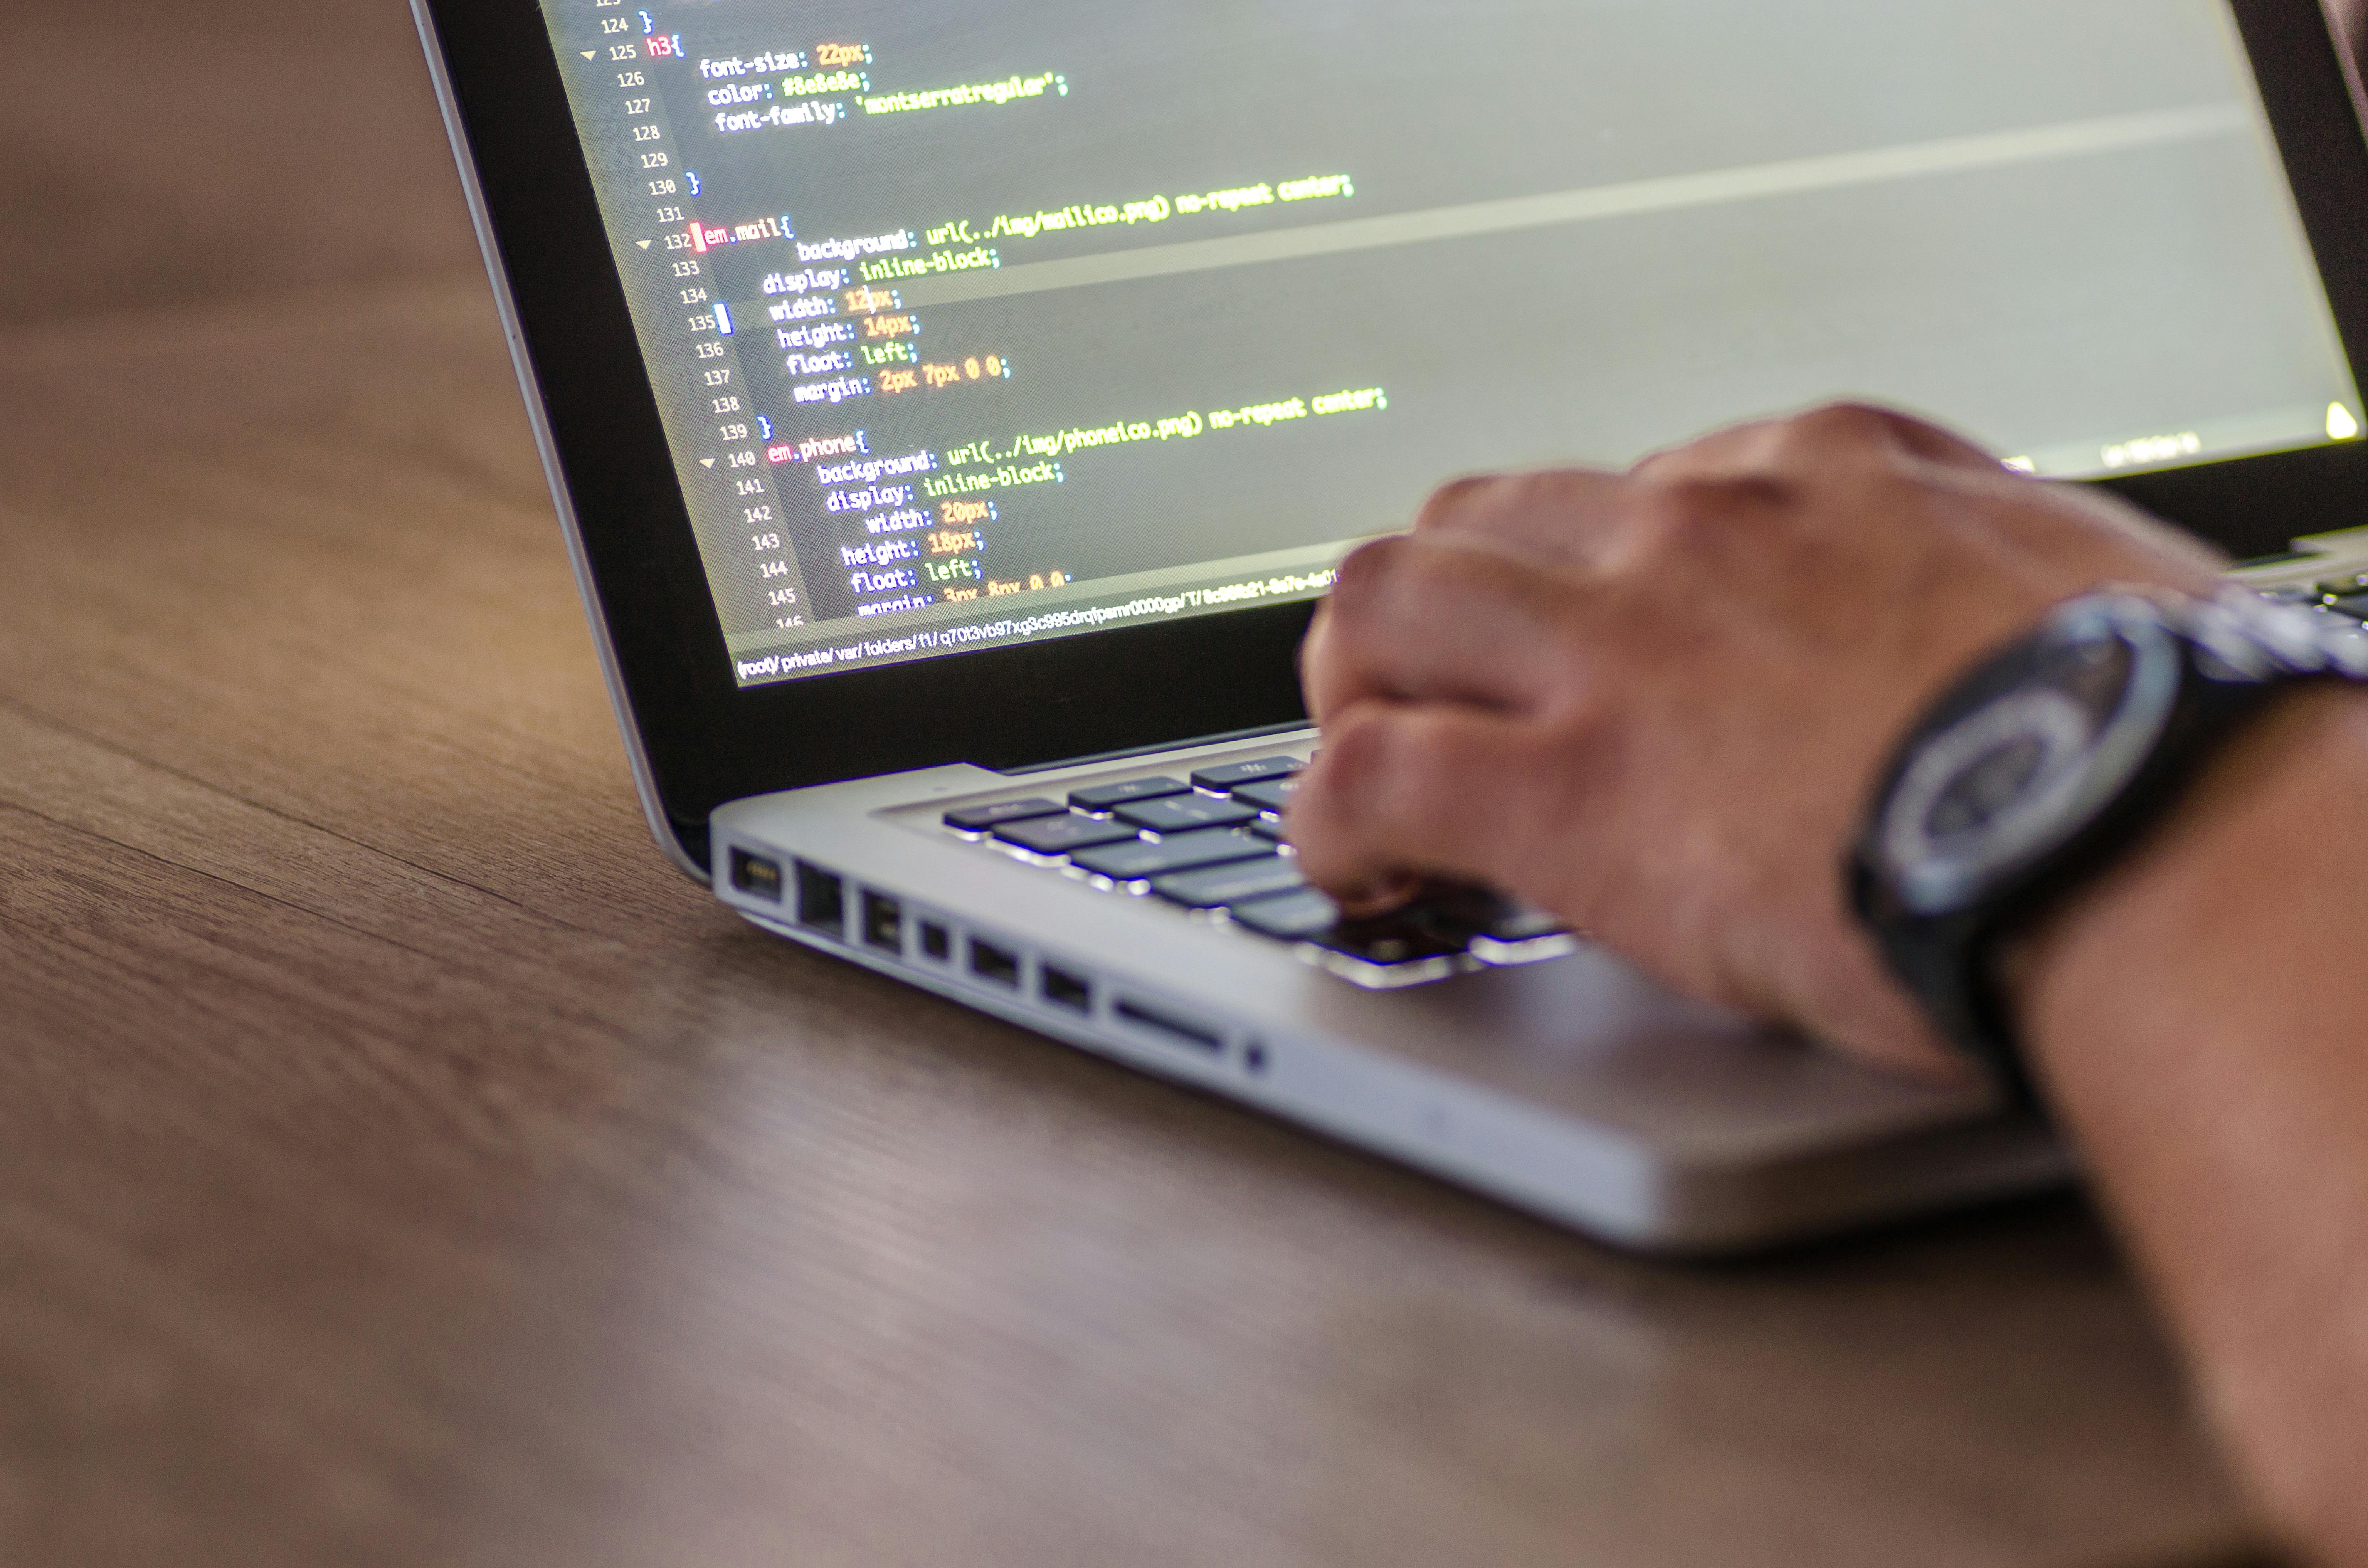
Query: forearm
<point x="2201" y="1019"/>
<point x="2351" y="22"/>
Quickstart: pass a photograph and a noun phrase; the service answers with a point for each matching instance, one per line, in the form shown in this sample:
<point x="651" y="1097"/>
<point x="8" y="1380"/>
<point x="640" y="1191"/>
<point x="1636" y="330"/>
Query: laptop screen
<point x="973" y="322"/>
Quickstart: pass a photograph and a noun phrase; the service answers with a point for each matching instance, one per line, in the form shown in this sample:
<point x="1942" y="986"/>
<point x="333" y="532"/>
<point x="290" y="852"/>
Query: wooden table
<point x="400" y="1163"/>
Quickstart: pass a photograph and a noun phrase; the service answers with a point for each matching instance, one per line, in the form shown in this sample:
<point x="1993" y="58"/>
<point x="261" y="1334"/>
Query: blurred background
<point x="168" y="154"/>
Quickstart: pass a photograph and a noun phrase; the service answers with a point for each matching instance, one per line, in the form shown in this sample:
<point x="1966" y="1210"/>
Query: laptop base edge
<point x="1615" y="1188"/>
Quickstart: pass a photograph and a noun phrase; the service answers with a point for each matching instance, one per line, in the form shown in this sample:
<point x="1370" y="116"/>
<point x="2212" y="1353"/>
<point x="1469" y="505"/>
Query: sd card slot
<point x="1160" y="1021"/>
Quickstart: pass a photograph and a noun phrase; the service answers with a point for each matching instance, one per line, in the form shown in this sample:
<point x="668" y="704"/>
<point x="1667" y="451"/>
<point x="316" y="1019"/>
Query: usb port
<point x="755" y="876"/>
<point x="936" y="942"/>
<point x="822" y="900"/>
<point x="883" y="922"/>
<point x="1066" y="989"/>
<point x="993" y="963"/>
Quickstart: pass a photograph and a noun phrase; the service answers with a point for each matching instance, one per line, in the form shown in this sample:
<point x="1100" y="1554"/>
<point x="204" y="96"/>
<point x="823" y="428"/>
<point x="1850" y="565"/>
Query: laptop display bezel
<point x="708" y="740"/>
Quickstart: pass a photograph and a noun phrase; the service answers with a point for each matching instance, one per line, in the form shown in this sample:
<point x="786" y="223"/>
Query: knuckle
<point x="1453" y="499"/>
<point x="1423" y="765"/>
<point x="1689" y="515"/>
<point x="1547" y="504"/>
<point x="1425" y="784"/>
<point x="1853" y="413"/>
<point x="1382" y="579"/>
<point x="1588" y="739"/>
<point x="1387" y="765"/>
<point x="1562" y="492"/>
<point x="1331" y="815"/>
<point x="1356" y="754"/>
<point x="1316" y="655"/>
<point x="1842" y="424"/>
<point x="1430" y="571"/>
<point x="1580" y="713"/>
<point x="1577" y="642"/>
<point x="1366" y="573"/>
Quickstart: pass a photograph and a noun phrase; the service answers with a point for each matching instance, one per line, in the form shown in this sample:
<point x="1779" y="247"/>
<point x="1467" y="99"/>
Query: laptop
<point x="957" y="407"/>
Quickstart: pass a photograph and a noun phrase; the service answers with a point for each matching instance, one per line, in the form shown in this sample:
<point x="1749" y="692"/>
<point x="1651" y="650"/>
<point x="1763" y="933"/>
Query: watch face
<point x="2025" y="758"/>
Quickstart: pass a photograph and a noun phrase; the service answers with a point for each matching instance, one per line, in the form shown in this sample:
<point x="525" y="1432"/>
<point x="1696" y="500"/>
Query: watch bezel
<point x="2066" y="797"/>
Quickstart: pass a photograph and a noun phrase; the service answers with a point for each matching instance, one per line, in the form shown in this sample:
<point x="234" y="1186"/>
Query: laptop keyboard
<point x="1212" y="845"/>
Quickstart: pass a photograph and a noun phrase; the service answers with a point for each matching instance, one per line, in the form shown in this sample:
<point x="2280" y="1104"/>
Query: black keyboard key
<point x="2354" y="604"/>
<point x="1392" y="951"/>
<point x="1185" y="814"/>
<point x="1225" y="780"/>
<point x="1269" y="795"/>
<point x="985" y="819"/>
<point x="1466" y="913"/>
<point x="1220" y="885"/>
<point x="1389" y="941"/>
<point x="1064" y="834"/>
<point x="1299" y="916"/>
<point x="1494" y="929"/>
<point x="1186" y="852"/>
<point x="1267" y="830"/>
<point x="1108" y="797"/>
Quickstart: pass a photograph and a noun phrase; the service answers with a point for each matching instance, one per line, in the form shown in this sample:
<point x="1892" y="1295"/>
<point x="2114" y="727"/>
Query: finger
<point x="1453" y="497"/>
<point x="1555" y="515"/>
<point x="1408" y="791"/>
<point x="1314" y="651"/>
<point x="1440" y="617"/>
<point x="1737" y="449"/>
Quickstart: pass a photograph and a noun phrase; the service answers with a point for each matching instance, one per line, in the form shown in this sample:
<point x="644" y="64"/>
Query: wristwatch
<point x="2047" y="762"/>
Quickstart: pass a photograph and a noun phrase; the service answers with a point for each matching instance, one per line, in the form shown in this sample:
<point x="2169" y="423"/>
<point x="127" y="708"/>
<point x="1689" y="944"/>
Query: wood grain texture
<point x="399" y="1164"/>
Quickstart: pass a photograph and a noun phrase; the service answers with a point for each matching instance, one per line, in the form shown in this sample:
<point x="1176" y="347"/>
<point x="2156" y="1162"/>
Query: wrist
<point x="2194" y="903"/>
<point x="2047" y="767"/>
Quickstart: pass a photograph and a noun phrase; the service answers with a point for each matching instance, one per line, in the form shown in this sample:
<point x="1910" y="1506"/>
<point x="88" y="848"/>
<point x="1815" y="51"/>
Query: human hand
<point x="1655" y="703"/>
